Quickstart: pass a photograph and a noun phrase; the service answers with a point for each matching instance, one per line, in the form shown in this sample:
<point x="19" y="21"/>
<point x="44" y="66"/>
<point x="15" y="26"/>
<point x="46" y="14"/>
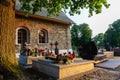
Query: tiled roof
<point x="44" y="12"/>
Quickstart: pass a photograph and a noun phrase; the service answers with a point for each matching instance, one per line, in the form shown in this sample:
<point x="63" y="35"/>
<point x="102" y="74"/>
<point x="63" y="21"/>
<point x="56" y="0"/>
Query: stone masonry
<point x="56" y="32"/>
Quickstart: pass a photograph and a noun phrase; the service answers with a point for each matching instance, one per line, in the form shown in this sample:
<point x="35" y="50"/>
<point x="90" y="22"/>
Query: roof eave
<point x="44" y="18"/>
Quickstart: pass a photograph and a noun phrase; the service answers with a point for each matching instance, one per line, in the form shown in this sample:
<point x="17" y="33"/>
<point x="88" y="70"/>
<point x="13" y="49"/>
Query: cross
<point x="56" y="49"/>
<point x="56" y="43"/>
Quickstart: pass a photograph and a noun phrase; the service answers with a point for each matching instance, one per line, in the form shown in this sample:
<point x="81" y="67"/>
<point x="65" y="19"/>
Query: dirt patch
<point x="96" y="74"/>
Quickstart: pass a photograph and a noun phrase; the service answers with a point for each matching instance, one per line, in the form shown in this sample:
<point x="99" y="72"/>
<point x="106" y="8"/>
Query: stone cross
<point x="56" y="43"/>
<point x="56" y="49"/>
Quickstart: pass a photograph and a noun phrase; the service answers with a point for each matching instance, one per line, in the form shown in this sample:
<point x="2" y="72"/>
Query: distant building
<point x="40" y="30"/>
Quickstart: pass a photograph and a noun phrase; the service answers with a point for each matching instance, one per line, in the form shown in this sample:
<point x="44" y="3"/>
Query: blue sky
<point x="99" y="23"/>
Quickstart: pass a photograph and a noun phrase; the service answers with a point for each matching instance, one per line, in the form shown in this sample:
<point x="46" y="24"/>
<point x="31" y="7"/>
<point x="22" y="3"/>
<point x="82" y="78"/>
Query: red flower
<point x="71" y="56"/>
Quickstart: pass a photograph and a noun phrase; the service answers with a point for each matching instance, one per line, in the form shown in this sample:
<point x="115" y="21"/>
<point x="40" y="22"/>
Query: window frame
<point x="45" y="33"/>
<point x="27" y="35"/>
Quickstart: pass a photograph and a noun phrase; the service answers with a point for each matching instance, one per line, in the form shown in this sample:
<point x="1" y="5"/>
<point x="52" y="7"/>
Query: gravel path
<point x="96" y="74"/>
<point x="101" y="74"/>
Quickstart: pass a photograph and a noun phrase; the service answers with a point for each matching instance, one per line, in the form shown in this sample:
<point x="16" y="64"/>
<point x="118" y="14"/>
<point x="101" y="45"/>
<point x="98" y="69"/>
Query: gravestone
<point x="117" y="52"/>
<point x="23" y="49"/>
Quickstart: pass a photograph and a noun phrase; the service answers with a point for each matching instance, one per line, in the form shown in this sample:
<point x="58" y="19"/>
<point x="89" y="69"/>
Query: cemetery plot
<point x="109" y="64"/>
<point x="61" y="71"/>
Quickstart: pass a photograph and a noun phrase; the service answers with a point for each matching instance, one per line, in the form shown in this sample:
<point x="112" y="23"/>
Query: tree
<point x="85" y="34"/>
<point x="74" y="36"/>
<point x="74" y="6"/>
<point x="7" y="17"/>
<point x="112" y="35"/>
<point x="99" y="40"/>
<point x="80" y="34"/>
<point x="8" y="60"/>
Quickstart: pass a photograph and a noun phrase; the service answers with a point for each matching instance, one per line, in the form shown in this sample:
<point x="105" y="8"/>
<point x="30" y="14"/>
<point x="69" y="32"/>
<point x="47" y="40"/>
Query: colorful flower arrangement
<point x="60" y="58"/>
<point x="34" y="51"/>
<point x="65" y="58"/>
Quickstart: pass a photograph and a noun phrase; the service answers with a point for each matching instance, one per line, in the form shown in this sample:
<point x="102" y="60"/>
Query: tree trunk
<point x="8" y="60"/>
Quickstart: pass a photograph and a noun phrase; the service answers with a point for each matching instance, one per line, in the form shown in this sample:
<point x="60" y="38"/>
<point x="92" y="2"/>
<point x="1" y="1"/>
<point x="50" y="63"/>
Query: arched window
<point x="22" y="35"/>
<point x="43" y="36"/>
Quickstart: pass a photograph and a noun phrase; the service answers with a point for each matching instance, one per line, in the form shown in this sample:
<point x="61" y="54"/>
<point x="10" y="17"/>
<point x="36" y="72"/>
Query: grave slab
<point x="109" y="64"/>
<point x="61" y="71"/>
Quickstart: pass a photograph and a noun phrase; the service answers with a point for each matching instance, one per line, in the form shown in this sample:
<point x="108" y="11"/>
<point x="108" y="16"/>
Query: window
<point x="22" y="35"/>
<point x="43" y="36"/>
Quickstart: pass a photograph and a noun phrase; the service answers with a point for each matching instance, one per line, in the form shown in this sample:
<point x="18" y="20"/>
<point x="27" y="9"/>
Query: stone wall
<point x="56" y="32"/>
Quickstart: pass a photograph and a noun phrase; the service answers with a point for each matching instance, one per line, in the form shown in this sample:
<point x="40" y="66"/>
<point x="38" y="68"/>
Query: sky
<point x="99" y="23"/>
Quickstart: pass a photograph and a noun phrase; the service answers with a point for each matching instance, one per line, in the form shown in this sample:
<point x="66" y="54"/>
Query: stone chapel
<point x="42" y="31"/>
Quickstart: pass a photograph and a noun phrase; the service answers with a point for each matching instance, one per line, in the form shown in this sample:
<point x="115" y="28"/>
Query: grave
<point x="100" y="58"/>
<point x="27" y="55"/>
<point x="109" y="54"/>
<point x="62" y="71"/>
<point x="117" y="52"/>
<point x="109" y="64"/>
<point x="27" y="60"/>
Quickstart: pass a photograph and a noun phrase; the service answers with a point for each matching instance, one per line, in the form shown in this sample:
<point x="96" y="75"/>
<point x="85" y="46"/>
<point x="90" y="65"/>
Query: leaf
<point x="55" y="7"/>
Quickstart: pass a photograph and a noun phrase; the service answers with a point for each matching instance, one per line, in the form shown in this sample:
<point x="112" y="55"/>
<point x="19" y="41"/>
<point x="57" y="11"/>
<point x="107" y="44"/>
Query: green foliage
<point x="74" y="6"/>
<point x="80" y="34"/>
<point x="112" y="35"/>
<point x="85" y="34"/>
<point x="74" y="35"/>
<point x="99" y="40"/>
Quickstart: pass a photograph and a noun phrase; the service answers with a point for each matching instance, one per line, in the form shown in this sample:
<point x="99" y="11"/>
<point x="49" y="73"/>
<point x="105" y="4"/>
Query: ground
<point x="95" y="74"/>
